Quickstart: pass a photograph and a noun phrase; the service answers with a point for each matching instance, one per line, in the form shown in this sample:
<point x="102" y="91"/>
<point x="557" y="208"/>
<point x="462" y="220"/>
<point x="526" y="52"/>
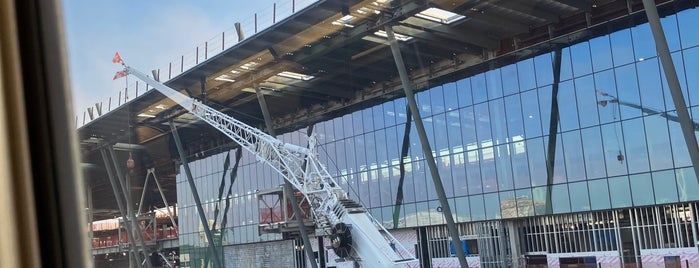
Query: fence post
<point x="206" y="50"/>
<point x="223" y="41"/>
<point x="182" y="65"/>
<point x="293" y="6"/>
<point x="274" y="13"/>
<point x="255" y="22"/>
<point x="169" y="71"/>
<point x="196" y="57"/>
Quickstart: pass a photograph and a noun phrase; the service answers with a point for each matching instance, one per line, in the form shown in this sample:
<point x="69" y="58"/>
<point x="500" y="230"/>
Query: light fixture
<point x="235" y="71"/>
<point x="440" y="15"/>
<point x="297" y="76"/>
<point x="225" y="78"/>
<point x="345" y="21"/>
<point x="249" y="65"/>
<point x="146" y="115"/>
<point x="399" y="37"/>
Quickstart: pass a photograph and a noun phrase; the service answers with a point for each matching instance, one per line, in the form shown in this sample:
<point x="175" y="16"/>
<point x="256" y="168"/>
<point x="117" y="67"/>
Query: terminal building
<point x="551" y="124"/>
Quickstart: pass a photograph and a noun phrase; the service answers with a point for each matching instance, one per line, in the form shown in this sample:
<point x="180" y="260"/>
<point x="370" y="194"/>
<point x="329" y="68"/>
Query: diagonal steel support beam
<point x="120" y="203"/>
<point x="674" y="83"/>
<point x="151" y="171"/>
<point x="287" y="185"/>
<point x="129" y="211"/>
<point x="195" y="194"/>
<point x="553" y="130"/>
<point x="420" y="128"/>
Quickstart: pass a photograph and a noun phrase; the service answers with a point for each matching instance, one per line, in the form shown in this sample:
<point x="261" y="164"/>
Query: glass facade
<point x="618" y="143"/>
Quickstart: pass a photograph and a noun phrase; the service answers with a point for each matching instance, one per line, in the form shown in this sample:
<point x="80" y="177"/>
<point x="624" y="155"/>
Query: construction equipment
<point x="354" y="233"/>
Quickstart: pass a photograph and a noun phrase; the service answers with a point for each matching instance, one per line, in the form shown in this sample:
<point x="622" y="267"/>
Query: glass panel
<point x="573" y="153"/>
<point x="679" y="146"/>
<point x="463" y="88"/>
<point x="545" y="98"/>
<point x="525" y="203"/>
<point x="641" y="189"/>
<point x="453" y="131"/>
<point x="503" y="166"/>
<point x="606" y="84"/>
<point x="451" y="99"/>
<point x="544" y="69"/>
<point x="424" y="102"/>
<point x="526" y="74"/>
<point x="665" y="187"/>
<point x="643" y="42"/>
<point x="628" y="92"/>
<point x="587" y="101"/>
<point x="567" y="107"/>
<point x="389" y="113"/>
<point x="478" y="89"/>
<point x="520" y="163"/>
<point x="423" y="213"/>
<point x="660" y="150"/>
<point x="678" y="61"/>
<point x="477" y="207"/>
<point x="537" y="161"/>
<point x="599" y="194"/>
<point x="601" y="53"/>
<point x="498" y="122"/>
<point x="508" y="204"/>
<point x="687" y="185"/>
<point x="622" y="50"/>
<point x="378" y="114"/>
<point x="580" y="59"/>
<point x="530" y="114"/>
<point x="463" y="211"/>
<point x="691" y="66"/>
<point x="612" y="142"/>
<point x="579" y="197"/>
<point x="635" y="141"/>
<point x="488" y="172"/>
<point x="437" y="99"/>
<point x="670" y="28"/>
<point x="594" y="153"/>
<point x="510" y="83"/>
<point x="566" y="68"/>
<point x="539" y="197"/>
<point x="559" y="198"/>
<point x="688" y="21"/>
<point x="494" y="84"/>
<point x="619" y="192"/>
<point x="492" y="206"/>
<point x="482" y="116"/>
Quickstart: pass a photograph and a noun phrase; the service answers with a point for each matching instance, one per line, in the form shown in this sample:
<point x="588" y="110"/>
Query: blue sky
<point x="148" y="34"/>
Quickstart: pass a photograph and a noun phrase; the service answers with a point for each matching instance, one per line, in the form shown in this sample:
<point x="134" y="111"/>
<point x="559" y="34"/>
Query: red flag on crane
<point x="117" y="58"/>
<point x="119" y="74"/>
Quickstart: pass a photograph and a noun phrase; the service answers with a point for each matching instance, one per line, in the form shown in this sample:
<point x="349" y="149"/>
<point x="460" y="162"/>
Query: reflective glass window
<point x="493" y="84"/>
<point x="453" y="131"/>
<point x="451" y="99"/>
<point x="378" y="114"/>
<point x="520" y="163"/>
<point x="473" y="172"/>
<point x="525" y="203"/>
<point x="424" y="102"/>
<point x="477" y="207"/>
<point x="599" y="194"/>
<point x="573" y="153"/>
<point x="346" y="126"/>
<point x="601" y="53"/>
<point x="642" y="189"/>
<point x="559" y="167"/>
<point x="503" y="166"/>
<point x="587" y="101"/>
<point x="441" y="138"/>
<point x="580" y="59"/>
<point x="679" y="146"/>
<point x="687" y="185"/>
<point x="545" y="98"/>
<point x="544" y="69"/>
<point x="478" y="88"/>
<point x="526" y="74"/>
<point x="614" y="151"/>
<point x="670" y="29"/>
<point x="444" y="165"/>
<point x="579" y="198"/>
<point x="635" y="141"/>
<point x="660" y="150"/>
<point x="482" y="120"/>
<point x="691" y="66"/>
<point x="606" y="84"/>
<point x="559" y="198"/>
<point x="643" y="42"/>
<point x="567" y="107"/>
<point x="513" y="109"/>
<point x="622" y="50"/>
<point x="688" y="21"/>
<point x="492" y="206"/>
<point x="627" y="89"/>
<point x="508" y="204"/>
<point x="437" y="99"/>
<point x="510" y="83"/>
<point x="410" y="215"/>
<point x="566" y="66"/>
<point x="650" y="85"/>
<point x="463" y="88"/>
<point x="665" y="187"/>
<point x="423" y="209"/>
<point x="463" y="211"/>
<point x="488" y="172"/>
<point x="357" y="123"/>
<point x="537" y="161"/>
<point x="530" y="114"/>
<point x="498" y="121"/>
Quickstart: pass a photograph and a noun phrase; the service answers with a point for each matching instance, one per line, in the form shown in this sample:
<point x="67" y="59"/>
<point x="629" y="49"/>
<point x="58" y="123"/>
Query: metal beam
<point x="420" y="128"/>
<point x="553" y="130"/>
<point x="151" y="171"/>
<point x="129" y="210"/>
<point x="195" y="194"/>
<point x="110" y="174"/>
<point x="529" y="9"/>
<point x="287" y="185"/>
<point x="674" y="83"/>
<point x="469" y="36"/>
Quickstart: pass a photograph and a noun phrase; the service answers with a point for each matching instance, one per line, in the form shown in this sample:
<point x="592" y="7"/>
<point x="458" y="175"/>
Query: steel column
<point x="129" y="210"/>
<point x="419" y="126"/>
<point x="120" y="204"/>
<point x="195" y="194"/>
<point x="553" y="130"/>
<point x="151" y="171"/>
<point x="674" y="83"/>
<point x="287" y="185"/>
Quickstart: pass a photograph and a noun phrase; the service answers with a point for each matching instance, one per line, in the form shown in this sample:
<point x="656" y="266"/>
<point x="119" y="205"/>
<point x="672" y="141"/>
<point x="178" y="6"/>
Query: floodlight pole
<point x="674" y="83"/>
<point x="420" y="127"/>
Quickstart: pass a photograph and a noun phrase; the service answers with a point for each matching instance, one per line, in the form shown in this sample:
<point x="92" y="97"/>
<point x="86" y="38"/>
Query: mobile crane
<point x="353" y="232"/>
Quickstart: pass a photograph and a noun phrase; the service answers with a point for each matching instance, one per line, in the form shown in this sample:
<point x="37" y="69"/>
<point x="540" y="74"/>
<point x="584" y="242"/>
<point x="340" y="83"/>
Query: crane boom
<point x="355" y="234"/>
